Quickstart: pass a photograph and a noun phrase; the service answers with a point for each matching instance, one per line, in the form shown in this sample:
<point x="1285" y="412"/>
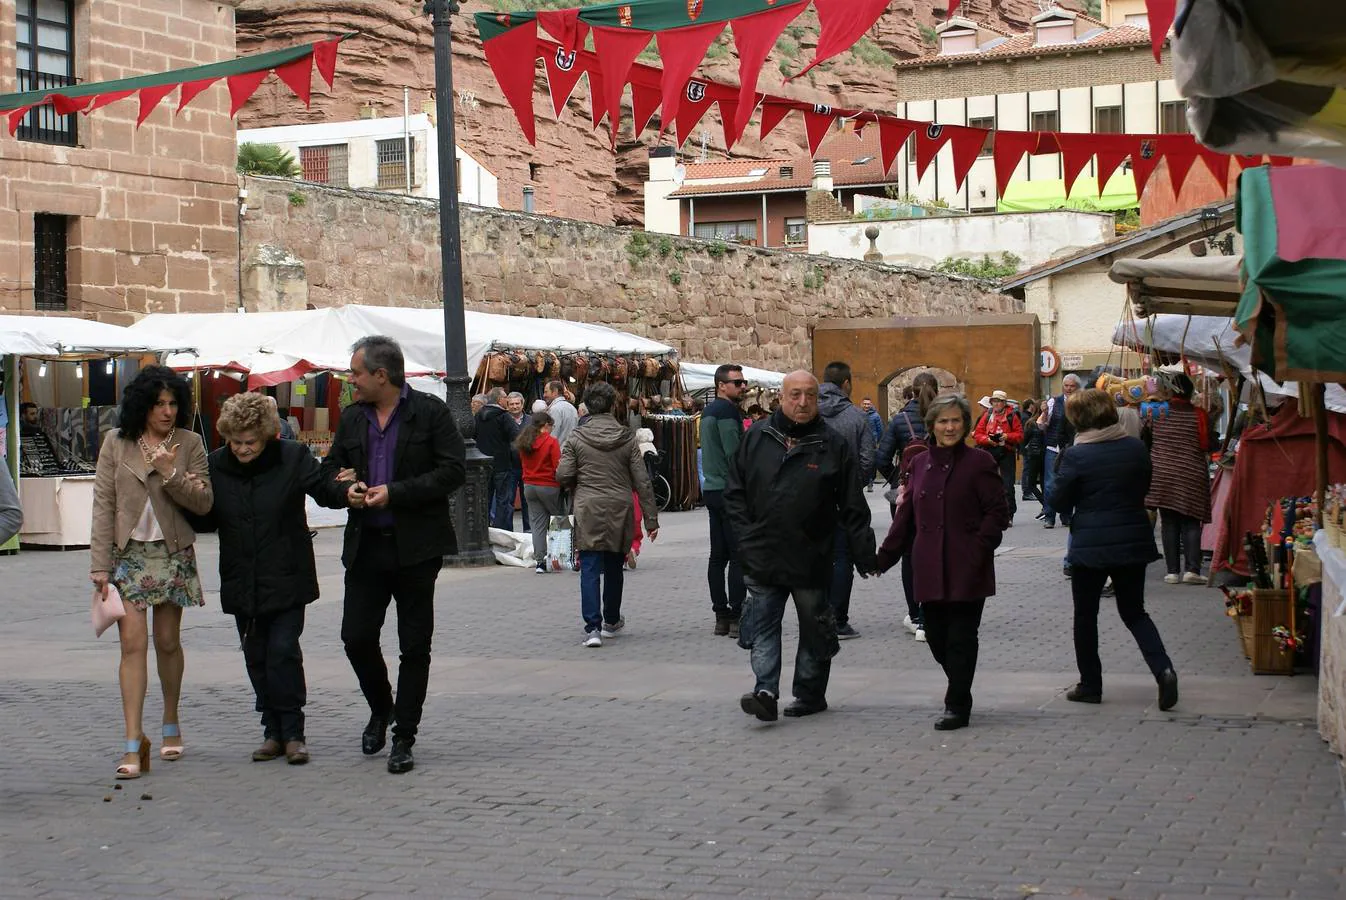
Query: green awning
<point x="1050" y="193"/>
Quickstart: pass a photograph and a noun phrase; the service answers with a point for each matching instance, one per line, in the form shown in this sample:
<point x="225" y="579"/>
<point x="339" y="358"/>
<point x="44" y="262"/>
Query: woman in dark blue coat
<point x="1101" y="487"/>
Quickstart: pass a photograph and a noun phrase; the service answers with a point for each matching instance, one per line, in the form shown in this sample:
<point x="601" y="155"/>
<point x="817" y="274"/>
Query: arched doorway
<point x="895" y="386"/>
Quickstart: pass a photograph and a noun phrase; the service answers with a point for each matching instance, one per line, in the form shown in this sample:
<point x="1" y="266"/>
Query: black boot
<point x="399" y="760"/>
<point x="375" y="735"/>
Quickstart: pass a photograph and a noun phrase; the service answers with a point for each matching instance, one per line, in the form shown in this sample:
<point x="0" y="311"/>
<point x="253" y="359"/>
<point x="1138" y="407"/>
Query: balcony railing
<point x="42" y="124"/>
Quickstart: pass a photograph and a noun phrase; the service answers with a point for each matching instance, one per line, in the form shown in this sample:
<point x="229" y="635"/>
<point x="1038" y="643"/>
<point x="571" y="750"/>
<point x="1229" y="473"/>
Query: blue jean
<point x="515" y="489"/>
<point x="502" y="502"/>
<point x="1048" y="479"/>
<point x="600" y="577"/>
<point x="843" y="578"/>
<point x="761" y="629"/>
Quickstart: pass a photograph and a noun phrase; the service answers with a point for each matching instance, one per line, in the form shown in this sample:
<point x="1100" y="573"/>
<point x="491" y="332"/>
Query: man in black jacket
<point x="496" y="431"/>
<point x="402" y="455"/>
<point x="792" y="484"/>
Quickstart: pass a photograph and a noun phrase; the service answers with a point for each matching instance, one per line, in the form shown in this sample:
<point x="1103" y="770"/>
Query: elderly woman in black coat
<point x="267" y="572"/>
<point x="1101" y="487"/>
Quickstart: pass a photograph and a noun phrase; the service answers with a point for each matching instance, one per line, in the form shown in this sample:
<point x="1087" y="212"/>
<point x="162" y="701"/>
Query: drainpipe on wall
<point x="406" y="134"/>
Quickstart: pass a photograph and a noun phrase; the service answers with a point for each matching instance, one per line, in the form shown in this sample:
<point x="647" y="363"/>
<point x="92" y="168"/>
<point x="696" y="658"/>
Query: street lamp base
<point x="469" y="508"/>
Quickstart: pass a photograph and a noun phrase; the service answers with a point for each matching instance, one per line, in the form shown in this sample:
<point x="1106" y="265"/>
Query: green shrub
<point x="987" y="268"/>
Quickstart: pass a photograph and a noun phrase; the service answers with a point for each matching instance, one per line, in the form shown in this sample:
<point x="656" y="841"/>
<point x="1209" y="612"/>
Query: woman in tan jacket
<point x="142" y="543"/>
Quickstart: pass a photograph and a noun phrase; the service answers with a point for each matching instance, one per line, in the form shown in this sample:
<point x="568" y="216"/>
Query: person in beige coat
<point x="601" y="465"/>
<point x="150" y="470"/>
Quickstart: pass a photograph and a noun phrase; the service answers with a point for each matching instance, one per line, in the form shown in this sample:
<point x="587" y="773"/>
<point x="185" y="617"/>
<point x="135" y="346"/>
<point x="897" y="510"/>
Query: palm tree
<point x="267" y="159"/>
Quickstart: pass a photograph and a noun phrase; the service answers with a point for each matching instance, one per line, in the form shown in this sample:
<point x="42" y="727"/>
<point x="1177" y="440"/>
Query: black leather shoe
<point x="799" y="708"/>
<point x="1168" y="690"/>
<point x="760" y="704"/>
<point x="1081" y="694"/>
<point x="399" y="760"/>
<point x="950" y="721"/>
<point x="375" y="735"/>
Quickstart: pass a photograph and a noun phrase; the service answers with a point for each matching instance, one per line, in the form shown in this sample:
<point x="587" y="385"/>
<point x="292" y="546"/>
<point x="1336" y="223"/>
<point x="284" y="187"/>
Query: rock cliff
<point x="573" y="170"/>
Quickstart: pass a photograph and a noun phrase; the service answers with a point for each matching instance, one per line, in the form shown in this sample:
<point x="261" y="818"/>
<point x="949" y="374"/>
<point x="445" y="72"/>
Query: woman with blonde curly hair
<point x="267" y="572"/>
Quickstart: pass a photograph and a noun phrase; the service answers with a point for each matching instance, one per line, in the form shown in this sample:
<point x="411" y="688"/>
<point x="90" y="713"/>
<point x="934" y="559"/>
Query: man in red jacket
<point x="999" y="432"/>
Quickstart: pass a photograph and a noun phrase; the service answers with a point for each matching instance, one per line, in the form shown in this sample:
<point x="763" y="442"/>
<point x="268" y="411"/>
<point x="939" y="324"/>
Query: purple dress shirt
<point x="381" y="449"/>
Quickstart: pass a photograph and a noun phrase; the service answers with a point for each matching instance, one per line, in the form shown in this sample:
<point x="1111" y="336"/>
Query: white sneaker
<point x="908" y="624"/>
<point x="610" y="630"/>
<point x="920" y="634"/>
<point x="1172" y="579"/>
<point x="1193" y="578"/>
<point x="593" y="639"/>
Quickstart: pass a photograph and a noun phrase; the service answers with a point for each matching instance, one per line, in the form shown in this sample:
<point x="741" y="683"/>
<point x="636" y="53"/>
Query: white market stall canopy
<point x="701" y="376"/>
<point x="56" y="337"/>
<point x="281" y="346"/>
<point x="1209" y="340"/>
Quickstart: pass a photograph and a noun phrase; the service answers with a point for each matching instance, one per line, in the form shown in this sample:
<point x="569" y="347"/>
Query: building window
<point x="1173" y="117"/>
<point x="796" y="231"/>
<point x="392" y="159"/>
<point x="326" y="164"/>
<point x="987" y="122"/>
<point x="50" y="247"/>
<point x="910" y="149"/>
<point x="1137" y="20"/>
<point x="1108" y="120"/>
<point x="737" y="232"/>
<point x="45" y="60"/>
<point x="1043" y="121"/>
<point x="534" y="171"/>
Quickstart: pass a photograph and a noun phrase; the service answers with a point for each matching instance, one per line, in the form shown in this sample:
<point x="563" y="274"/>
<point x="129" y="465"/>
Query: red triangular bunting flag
<point x="298" y="77"/>
<point x="817" y="122"/>
<point x="772" y="115"/>
<point x="1216" y="163"/>
<point x="149" y="99"/>
<point x="1010" y="147"/>
<point x="729" y="120"/>
<point x="103" y="100"/>
<point x="644" y="102"/>
<point x="512" y="55"/>
<point x="1160" y="15"/>
<point x="1144" y="158"/>
<point x="1076" y="151"/>
<point x="16" y="116"/>
<point x="617" y="49"/>
<point x="324" y="59"/>
<point x="893" y="133"/>
<point x="1247" y="160"/>
<point x="242" y="87"/>
<point x="840" y="24"/>
<point x="695" y="101"/>
<point x="192" y="89"/>
<point x="1181" y="151"/>
<point x="565" y="26"/>
<point x="563" y="72"/>
<point x="681" y="50"/>
<point x="953" y="7"/>
<point x="966" y="144"/>
<point x="929" y="138"/>
<point x="754" y="36"/>
<point x="1111" y="150"/>
<point x="1281" y="160"/>
<point x="64" y="106"/>
<point x="596" y="108"/>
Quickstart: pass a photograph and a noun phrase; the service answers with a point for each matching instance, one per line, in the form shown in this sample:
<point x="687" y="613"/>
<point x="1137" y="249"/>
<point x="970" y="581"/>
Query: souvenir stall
<point x="72" y="369"/>
<point x="763" y="384"/>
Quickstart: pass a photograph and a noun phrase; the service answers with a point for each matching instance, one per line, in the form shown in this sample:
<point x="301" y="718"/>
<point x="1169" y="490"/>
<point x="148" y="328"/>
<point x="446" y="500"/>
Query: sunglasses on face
<point x="736" y="381"/>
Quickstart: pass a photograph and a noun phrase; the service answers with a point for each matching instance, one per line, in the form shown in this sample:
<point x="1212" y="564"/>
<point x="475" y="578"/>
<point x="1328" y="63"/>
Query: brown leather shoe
<point x="269" y="750"/>
<point x="296" y="753"/>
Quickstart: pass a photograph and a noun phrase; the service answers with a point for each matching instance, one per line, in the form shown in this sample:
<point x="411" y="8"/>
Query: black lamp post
<point x="471" y="504"/>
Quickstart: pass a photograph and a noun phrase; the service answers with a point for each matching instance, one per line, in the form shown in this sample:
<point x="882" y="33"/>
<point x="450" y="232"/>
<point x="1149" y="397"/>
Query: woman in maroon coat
<point x="954" y="507"/>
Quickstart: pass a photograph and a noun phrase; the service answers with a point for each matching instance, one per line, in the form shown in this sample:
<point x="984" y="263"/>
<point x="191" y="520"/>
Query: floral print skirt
<point x="147" y="574"/>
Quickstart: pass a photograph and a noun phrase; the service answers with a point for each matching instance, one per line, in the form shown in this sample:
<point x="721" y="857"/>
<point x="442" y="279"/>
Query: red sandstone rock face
<point x="578" y="175"/>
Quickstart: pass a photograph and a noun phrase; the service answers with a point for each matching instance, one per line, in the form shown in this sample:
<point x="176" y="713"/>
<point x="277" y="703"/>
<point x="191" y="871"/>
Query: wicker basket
<point x="1270" y="609"/>
<point x="1245" y="630"/>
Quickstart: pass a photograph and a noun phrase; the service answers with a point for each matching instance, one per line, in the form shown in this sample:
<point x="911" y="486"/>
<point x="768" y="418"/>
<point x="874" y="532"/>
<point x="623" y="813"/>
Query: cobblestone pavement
<point x="546" y="769"/>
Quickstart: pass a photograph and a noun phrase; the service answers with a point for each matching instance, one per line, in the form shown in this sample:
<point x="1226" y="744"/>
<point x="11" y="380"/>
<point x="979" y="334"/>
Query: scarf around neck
<point x="1113" y="432"/>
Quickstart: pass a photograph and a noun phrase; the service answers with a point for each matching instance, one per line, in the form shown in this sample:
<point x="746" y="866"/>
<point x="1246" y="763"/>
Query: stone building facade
<point x="310" y="244"/>
<point x="98" y="217"/>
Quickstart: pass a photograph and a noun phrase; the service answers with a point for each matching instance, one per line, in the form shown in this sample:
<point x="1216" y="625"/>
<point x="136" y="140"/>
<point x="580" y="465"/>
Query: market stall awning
<point x="1212" y="341"/>
<point x="58" y="337"/>
<point x="1293" y="307"/>
<point x="1206" y="286"/>
<point x="701" y="377"/>
<point x="1050" y="193"/>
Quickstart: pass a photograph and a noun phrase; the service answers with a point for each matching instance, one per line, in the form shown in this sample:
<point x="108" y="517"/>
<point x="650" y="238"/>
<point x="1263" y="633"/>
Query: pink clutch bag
<point x="107" y="609"/>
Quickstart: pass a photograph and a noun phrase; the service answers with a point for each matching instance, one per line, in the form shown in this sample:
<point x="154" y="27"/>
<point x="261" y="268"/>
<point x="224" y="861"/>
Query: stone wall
<point x="710" y="300"/>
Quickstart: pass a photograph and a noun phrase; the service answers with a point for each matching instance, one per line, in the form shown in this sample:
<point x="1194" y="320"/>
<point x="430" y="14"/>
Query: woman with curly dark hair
<point x="142" y="544"/>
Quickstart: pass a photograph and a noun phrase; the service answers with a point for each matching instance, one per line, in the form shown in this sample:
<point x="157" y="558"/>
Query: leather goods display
<point x="675" y="437"/>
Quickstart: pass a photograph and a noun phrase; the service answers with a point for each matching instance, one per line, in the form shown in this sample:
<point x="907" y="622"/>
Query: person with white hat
<point x="999" y="432"/>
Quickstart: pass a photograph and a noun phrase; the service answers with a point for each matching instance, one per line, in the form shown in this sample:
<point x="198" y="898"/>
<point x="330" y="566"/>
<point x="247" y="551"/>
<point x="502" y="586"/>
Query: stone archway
<point x="978" y="354"/>
<point x="893" y="388"/>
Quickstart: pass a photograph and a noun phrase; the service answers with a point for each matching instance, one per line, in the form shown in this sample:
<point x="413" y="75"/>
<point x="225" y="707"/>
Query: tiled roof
<point x="725" y="168"/>
<point x="1024" y="45"/>
<point x="845" y="150"/>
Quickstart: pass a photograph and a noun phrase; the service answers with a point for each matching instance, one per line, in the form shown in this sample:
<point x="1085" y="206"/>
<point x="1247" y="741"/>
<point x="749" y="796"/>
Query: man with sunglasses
<point x="721" y="433"/>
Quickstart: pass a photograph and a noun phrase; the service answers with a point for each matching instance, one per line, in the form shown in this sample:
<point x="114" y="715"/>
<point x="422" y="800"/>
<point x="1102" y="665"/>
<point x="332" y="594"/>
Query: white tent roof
<point x="701" y="376"/>
<point x="279" y="346"/>
<point x="1205" y="339"/>
<point x="53" y="336"/>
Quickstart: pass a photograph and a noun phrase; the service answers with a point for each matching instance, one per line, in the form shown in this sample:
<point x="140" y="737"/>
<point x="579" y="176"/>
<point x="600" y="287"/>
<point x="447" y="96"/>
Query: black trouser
<point x="1031" y="482"/>
<point x="371" y="583"/>
<point x="722" y="546"/>
<point x="275" y="667"/>
<point x="1182" y="541"/>
<point x="1005" y="460"/>
<point x="909" y="589"/>
<point x="951" y="632"/>
<point x="1086" y="586"/>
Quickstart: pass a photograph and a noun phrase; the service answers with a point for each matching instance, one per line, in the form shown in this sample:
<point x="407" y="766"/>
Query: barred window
<point x="392" y="160"/>
<point x="45" y="59"/>
<point x="326" y="164"/>
<point x="50" y="247"/>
